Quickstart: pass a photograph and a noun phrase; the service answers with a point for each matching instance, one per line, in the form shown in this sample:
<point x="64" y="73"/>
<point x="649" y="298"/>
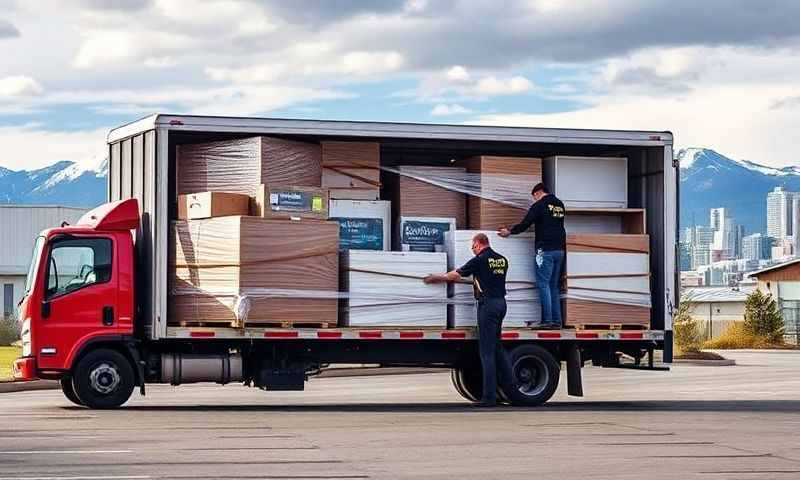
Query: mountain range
<point x="708" y="180"/>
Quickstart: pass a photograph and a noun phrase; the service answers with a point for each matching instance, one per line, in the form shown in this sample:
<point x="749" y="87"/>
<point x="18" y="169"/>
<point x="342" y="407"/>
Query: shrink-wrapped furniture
<point x="250" y="271"/>
<point x="608" y="280"/>
<point x="241" y="165"/>
<point x="522" y="295"/>
<point x="500" y="177"/>
<point x="351" y="170"/>
<point x="385" y="289"/>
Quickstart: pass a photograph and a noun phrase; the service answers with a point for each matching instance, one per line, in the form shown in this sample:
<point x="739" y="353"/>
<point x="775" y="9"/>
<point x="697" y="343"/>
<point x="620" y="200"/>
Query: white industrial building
<point x="19" y="226"/>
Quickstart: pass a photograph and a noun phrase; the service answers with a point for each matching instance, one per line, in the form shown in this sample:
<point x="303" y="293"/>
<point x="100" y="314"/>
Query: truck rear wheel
<point x="69" y="391"/>
<point x="103" y="379"/>
<point x="470" y="390"/>
<point x="536" y="372"/>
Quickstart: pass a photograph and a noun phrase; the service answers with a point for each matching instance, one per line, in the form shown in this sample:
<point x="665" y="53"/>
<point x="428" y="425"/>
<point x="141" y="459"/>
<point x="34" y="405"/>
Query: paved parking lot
<point x="737" y="422"/>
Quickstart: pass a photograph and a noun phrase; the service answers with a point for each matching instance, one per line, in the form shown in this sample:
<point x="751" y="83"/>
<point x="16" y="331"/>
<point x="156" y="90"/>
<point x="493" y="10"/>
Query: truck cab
<point x="79" y="300"/>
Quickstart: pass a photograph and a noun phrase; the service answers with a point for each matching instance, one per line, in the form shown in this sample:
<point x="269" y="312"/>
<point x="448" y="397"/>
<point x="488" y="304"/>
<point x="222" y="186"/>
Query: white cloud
<point x="19" y="141"/>
<point x="19" y="85"/>
<point x="443" y="110"/>
<point x="105" y="48"/>
<point x="370" y="63"/>
<point x="494" y="86"/>
<point x="457" y="74"/>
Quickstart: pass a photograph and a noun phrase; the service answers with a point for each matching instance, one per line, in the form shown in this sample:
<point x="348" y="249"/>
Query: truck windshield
<point x="37" y="252"/>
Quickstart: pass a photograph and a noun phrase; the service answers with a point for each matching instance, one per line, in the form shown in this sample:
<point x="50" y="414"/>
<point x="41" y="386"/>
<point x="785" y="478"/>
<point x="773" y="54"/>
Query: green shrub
<point x="762" y="318"/>
<point x="9" y="330"/>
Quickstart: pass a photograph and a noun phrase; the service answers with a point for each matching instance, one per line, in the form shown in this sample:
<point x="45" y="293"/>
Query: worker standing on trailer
<point x="547" y="216"/>
<point x="488" y="270"/>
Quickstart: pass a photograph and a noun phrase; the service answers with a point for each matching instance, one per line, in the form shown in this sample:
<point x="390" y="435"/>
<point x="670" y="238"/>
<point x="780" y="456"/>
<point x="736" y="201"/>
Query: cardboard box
<point x="351" y="170"/>
<point x="364" y="225"/>
<point x="593" y="182"/>
<point x="416" y="198"/>
<point x="485" y="214"/>
<point x="212" y="204"/>
<point x="241" y="165"/>
<point x="522" y="295"/>
<point x="423" y="234"/>
<point x="273" y="201"/>
<point x="235" y="271"/>
<point x="385" y="289"/>
<point x="608" y="280"/>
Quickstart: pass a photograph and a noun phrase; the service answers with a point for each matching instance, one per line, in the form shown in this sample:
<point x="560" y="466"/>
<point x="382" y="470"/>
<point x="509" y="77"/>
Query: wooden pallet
<point x="608" y="326"/>
<point x="290" y="324"/>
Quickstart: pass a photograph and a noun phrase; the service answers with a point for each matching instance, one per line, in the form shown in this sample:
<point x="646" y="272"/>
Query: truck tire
<point x="457" y="376"/>
<point x="103" y="379"/>
<point x="536" y="372"/>
<point x="469" y="384"/>
<point x="69" y="391"/>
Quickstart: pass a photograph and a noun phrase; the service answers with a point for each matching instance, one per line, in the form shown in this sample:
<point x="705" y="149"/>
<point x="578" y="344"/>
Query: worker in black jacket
<point x="547" y="216"/>
<point x="488" y="270"/>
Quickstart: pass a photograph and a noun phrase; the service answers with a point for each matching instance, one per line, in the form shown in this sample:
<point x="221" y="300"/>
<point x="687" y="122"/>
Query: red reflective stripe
<point x="631" y="335"/>
<point x="329" y="334"/>
<point x="370" y="334"/>
<point x="202" y="334"/>
<point x="510" y="335"/>
<point x="412" y="334"/>
<point x="587" y="335"/>
<point x="549" y="334"/>
<point x="451" y="335"/>
<point x="282" y="334"/>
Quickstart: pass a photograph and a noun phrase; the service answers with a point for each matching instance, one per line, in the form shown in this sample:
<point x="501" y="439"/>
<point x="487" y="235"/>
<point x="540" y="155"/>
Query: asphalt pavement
<point x="695" y="422"/>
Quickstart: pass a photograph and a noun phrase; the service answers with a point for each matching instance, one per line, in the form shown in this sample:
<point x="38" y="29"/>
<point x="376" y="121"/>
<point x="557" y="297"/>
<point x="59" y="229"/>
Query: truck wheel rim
<point x="104" y="378"/>
<point x="532" y="375"/>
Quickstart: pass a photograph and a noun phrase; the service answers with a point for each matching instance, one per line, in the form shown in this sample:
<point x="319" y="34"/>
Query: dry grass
<point x="7" y="356"/>
<point x="736" y="336"/>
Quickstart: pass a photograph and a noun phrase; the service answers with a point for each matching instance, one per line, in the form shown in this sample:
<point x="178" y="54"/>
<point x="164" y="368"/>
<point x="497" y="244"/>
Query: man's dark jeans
<point x="491" y="312"/>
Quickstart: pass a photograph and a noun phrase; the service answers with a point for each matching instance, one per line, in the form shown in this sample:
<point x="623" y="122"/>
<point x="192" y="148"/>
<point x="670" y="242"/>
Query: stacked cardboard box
<point x="608" y="280"/>
<point x="486" y="214"/>
<point x="364" y="224"/>
<point x="385" y="289"/>
<point x="240" y="166"/>
<point x="212" y="204"/>
<point x="416" y="198"/>
<point x="567" y="178"/>
<point x="594" y="220"/>
<point x="522" y="297"/>
<point x="351" y="170"/>
<point x="229" y="270"/>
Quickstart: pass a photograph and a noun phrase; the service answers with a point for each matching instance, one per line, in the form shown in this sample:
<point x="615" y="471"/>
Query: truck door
<point x="80" y="298"/>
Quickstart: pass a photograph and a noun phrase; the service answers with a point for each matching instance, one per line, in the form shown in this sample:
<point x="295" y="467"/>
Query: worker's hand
<point x="503" y="232"/>
<point x="432" y="278"/>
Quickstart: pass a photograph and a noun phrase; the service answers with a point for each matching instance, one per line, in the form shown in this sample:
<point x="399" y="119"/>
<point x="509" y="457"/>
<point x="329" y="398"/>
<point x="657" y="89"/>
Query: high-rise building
<point x="739" y="237"/>
<point x="685" y="256"/>
<point x="779" y="213"/>
<point x="756" y="247"/>
<point x="701" y="246"/>
<point x="724" y="241"/>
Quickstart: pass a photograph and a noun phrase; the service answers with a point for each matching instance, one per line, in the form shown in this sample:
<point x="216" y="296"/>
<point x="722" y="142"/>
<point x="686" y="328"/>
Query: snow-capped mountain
<point x="709" y="180"/>
<point x="79" y="184"/>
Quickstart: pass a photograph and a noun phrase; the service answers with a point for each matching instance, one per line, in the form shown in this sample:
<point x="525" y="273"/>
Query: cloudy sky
<point x="723" y="74"/>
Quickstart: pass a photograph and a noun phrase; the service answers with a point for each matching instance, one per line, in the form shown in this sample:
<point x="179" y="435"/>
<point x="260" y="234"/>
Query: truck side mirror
<point x="45" y="309"/>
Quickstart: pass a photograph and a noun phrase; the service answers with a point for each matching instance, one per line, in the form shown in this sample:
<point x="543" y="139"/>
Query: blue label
<point x="423" y="236"/>
<point x="360" y="233"/>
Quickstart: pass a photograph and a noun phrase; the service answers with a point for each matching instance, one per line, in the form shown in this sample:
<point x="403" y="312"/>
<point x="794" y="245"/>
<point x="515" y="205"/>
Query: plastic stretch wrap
<point x="241" y="165"/>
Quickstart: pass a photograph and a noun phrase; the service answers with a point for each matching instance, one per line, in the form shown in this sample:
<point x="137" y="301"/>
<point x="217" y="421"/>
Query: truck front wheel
<point x="103" y="379"/>
<point x="69" y="391"/>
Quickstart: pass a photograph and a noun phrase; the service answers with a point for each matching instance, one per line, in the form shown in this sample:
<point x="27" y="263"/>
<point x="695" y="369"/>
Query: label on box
<point x="423" y="236"/>
<point x="292" y="201"/>
<point x="360" y="233"/>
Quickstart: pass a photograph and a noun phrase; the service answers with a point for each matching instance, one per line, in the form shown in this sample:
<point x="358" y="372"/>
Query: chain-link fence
<point x="790" y="309"/>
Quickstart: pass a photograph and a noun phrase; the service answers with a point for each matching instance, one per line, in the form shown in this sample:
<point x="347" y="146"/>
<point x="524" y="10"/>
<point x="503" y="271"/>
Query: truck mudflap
<point x="24" y="369"/>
